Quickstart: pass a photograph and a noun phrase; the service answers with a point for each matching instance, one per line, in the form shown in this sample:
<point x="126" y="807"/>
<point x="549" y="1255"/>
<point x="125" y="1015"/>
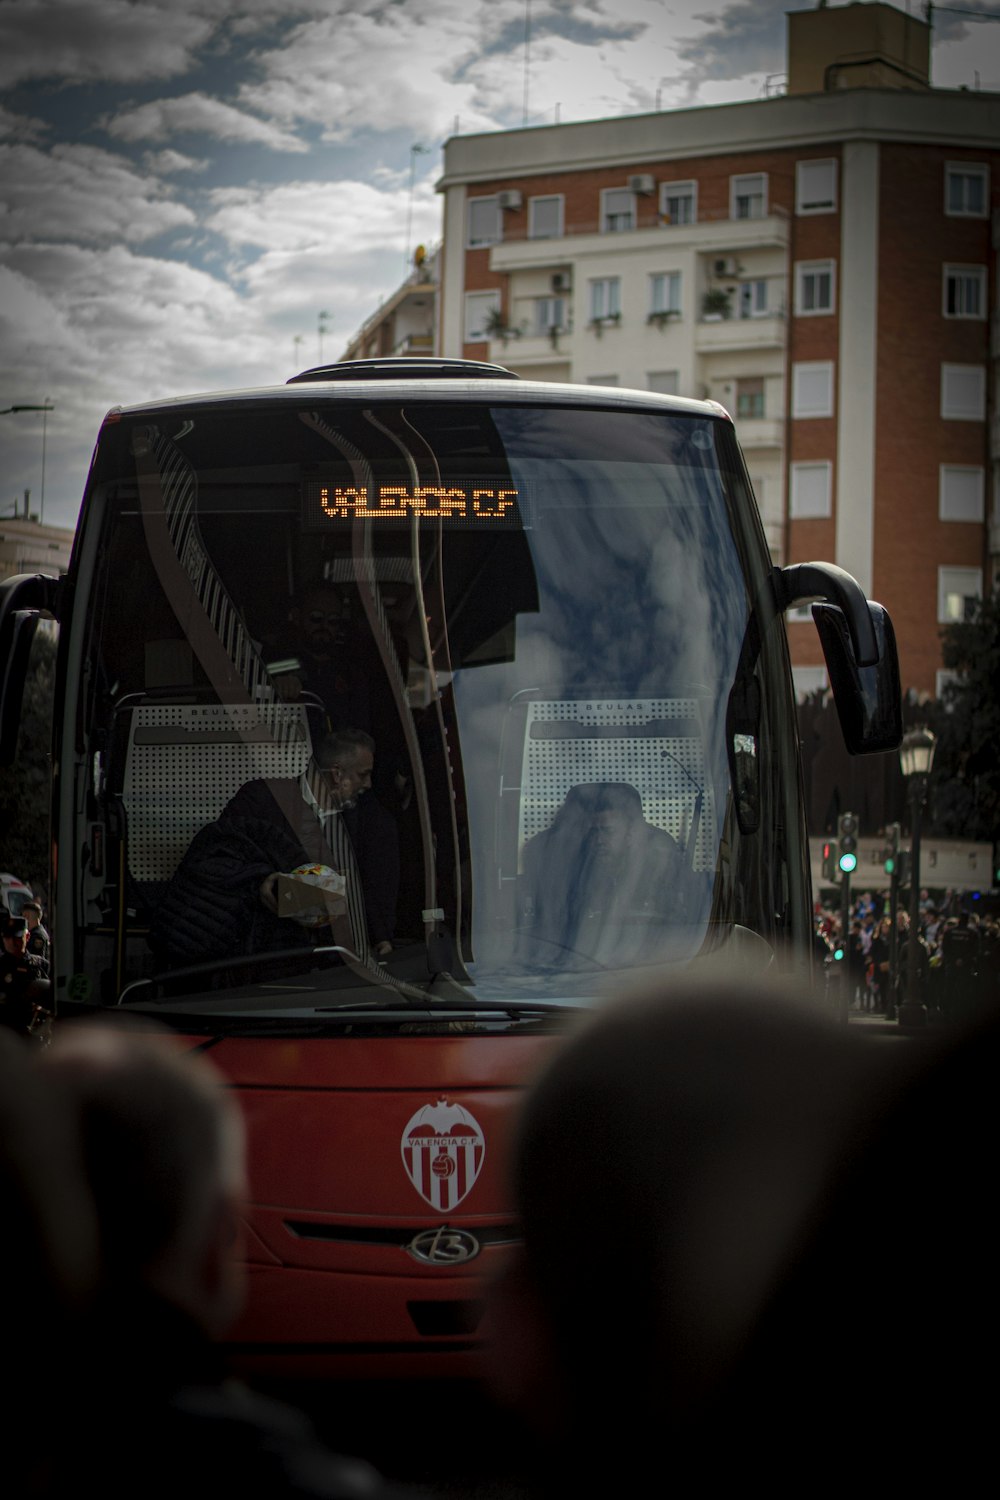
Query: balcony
<point x="715" y="237"/>
<point x="760" y="432"/>
<point x="733" y="335"/>
<point x="533" y="349"/>
<point x="415" y="343"/>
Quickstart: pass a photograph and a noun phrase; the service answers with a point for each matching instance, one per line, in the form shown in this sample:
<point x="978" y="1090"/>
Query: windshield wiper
<point x="242" y="961"/>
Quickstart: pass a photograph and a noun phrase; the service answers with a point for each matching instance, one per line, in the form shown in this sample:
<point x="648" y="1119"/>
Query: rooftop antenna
<point x="527" y="58"/>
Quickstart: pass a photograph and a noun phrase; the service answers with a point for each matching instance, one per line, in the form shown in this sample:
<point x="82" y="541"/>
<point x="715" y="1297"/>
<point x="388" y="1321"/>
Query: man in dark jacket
<point x="224" y="899"/>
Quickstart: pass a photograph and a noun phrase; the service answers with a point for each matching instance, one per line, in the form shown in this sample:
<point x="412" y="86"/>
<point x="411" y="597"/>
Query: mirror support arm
<point x="801" y="582"/>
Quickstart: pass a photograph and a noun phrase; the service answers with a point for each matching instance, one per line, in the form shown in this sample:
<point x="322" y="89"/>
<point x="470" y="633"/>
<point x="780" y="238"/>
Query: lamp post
<point x="415" y="151"/>
<point x="916" y="757"/>
<point x="322" y="327"/>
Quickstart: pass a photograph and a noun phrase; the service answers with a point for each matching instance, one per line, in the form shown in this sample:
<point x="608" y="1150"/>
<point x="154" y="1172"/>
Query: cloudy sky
<point x="187" y="185"/>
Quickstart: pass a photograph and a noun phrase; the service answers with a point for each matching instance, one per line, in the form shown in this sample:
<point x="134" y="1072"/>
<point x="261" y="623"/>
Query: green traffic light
<point x="838" y="954"/>
<point x="890" y="866"/>
<point x="848" y="862"/>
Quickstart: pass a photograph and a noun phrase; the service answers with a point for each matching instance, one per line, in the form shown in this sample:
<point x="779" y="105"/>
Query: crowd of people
<point x="957" y="965"/>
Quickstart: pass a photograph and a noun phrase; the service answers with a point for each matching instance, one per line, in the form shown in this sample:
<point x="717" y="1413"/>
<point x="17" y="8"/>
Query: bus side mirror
<point x="860" y="649"/>
<point x="23" y="600"/>
<point x="868" y="699"/>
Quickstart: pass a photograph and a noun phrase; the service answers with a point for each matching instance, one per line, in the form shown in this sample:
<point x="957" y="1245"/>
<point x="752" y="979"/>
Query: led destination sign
<point x="463" y="502"/>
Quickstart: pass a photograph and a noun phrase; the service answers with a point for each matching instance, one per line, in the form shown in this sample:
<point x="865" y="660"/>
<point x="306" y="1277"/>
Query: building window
<point x="966" y="190"/>
<point x="485" y="222"/>
<point x="748" y="196"/>
<point x="963" y="392"/>
<point x="664" y="382"/>
<point x="679" y="202"/>
<point x="961" y="492"/>
<point x="816" y="186"/>
<point x="665" y="292"/>
<point x="550" y="314"/>
<point x="965" y="291"/>
<point x="814" y="287"/>
<point x="617" y="210"/>
<point x="545" y="217"/>
<point x="478" y="307"/>
<point x="602" y="380"/>
<point x="753" y="299"/>
<point x="750" y="398"/>
<point x="605" y="298"/>
<point x="807" y="681"/>
<point x="812" y="389"/>
<point x="811" y="487"/>
<point x="958" y="591"/>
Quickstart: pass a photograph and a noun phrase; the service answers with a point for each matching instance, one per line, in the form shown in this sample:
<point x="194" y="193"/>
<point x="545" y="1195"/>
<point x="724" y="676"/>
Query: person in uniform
<point x="24" y="986"/>
<point x="38" y="938"/>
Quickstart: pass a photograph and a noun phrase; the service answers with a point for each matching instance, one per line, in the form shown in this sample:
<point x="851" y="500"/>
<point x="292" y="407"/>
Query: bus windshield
<point x="515" y="624"/>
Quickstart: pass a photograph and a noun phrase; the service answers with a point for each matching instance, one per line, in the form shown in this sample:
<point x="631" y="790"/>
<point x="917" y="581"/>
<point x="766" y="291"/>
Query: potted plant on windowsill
<point x="663" y="316"/>
<point x="715" y="305"/>
<point x="497" y="327"/>
<point x="598" y="324"/>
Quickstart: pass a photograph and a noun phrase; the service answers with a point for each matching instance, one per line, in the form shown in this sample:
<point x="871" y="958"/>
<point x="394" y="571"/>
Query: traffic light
<point x="830" y="871"/>
<point x="847" y="843"/>
<point x="890" y="853"/>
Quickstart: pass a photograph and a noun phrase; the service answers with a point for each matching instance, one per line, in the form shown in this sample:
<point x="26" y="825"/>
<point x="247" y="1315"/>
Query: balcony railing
<point x="661" y="222"/>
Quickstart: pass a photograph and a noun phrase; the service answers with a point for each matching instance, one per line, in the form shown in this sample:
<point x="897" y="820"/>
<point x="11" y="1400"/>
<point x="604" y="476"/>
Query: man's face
<point x="352" y="776"/>
<point x="611" y="831"/>
<point x="13" y="943"/>
<point x="321" y="618"/>
<point x="31" y="917"/>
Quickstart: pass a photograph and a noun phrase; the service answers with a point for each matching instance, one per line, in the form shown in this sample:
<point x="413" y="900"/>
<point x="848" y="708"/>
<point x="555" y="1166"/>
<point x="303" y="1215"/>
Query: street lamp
<point x="415" y="151"/>
<point x="916" y="757"/>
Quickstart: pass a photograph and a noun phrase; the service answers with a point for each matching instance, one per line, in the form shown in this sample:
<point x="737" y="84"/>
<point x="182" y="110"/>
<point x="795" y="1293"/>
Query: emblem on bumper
<point x="443" y="1247"/>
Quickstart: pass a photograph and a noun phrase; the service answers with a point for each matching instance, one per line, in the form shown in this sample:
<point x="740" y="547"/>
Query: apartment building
<point x="406" y="322"/>
<point x="823" y="263"/>
<point x="27" y="546"/>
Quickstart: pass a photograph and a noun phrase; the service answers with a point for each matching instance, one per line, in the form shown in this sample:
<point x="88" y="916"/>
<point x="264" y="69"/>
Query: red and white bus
<point x="553" y="610"/>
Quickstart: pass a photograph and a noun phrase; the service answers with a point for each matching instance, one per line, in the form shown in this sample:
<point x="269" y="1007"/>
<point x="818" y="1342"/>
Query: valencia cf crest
<point x="443" y="1150"/>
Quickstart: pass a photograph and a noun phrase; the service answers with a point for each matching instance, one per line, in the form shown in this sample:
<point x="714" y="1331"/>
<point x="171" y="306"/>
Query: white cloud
<point x="198" y="114"/>
<point x="82" y="192"/>
<point x="378" y="67"/>
<point x="20" y="127"/>
<point x="89" y="40"/>
<point x="165" y="163"/>
<point x="334" y="217"/>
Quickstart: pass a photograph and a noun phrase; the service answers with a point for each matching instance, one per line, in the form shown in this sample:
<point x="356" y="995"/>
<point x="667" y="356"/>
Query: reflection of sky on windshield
<point x="640" y="589"/>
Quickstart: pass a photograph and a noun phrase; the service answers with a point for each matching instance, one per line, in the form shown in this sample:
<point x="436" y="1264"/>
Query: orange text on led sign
<point x="398" y="502"/>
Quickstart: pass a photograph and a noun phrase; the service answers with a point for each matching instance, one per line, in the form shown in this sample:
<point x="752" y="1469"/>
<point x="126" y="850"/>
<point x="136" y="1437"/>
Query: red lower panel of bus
<point x="379" y="1202"/>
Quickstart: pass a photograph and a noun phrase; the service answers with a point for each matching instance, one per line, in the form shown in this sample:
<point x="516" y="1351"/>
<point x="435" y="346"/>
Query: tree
<point x="26" y="786"/>
<point x="966" y="777"/>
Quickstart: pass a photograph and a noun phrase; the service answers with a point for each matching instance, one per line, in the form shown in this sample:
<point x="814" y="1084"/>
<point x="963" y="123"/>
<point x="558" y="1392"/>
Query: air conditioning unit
<point x="643" y="183"/>
<point x="511" y="199"/>
<point x="725" y="267"/>
<point x="561" y="282"/>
